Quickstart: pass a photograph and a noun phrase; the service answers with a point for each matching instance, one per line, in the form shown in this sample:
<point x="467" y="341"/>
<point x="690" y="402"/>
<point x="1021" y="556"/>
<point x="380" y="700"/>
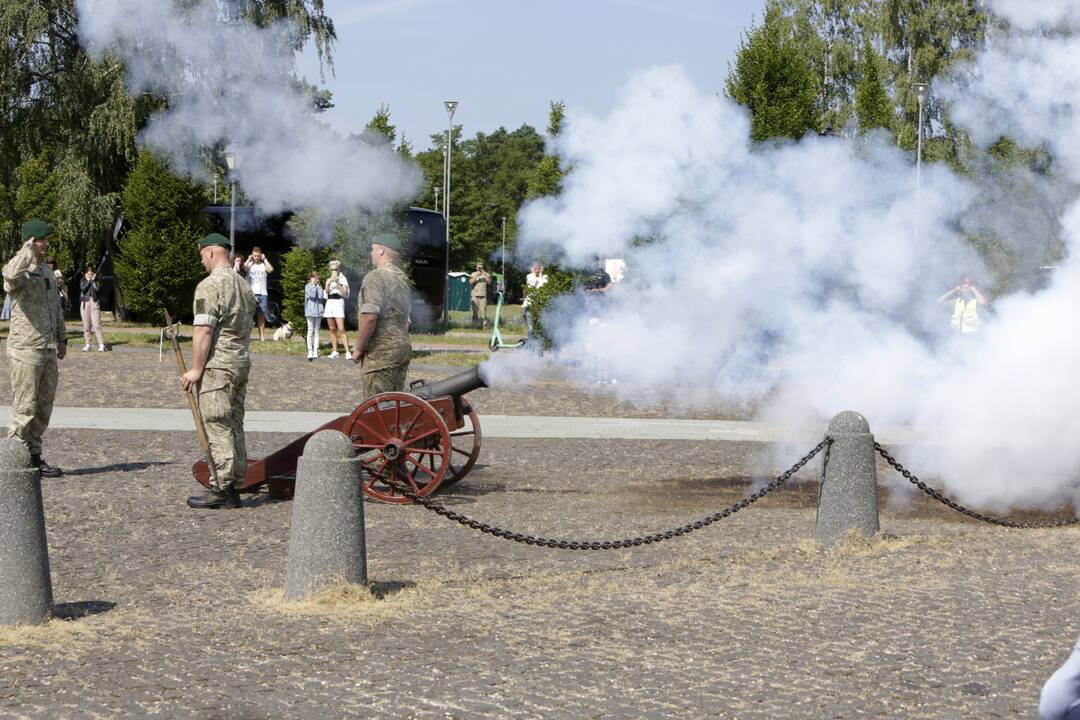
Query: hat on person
<point x="214" y="240"/>
<point x="335" y="265"/>
<point x="36" y="229"/>
<point x="391" y="242"/>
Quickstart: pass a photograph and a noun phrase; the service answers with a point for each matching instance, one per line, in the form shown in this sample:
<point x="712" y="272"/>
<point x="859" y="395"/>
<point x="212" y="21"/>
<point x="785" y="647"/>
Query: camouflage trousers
<point x="221" y="402"/>
<point x="33" y="390"/>
<point x="388" y="379"/>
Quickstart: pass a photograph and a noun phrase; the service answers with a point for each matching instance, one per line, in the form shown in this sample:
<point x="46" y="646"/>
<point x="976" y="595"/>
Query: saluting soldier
<point x="224" y="310"/>
<point x="37" y="340"/>
<point x="385" y="299"/>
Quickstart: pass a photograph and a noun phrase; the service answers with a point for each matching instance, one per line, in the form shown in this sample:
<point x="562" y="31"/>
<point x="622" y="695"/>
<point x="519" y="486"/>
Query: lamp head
<point x="451" y="106"/>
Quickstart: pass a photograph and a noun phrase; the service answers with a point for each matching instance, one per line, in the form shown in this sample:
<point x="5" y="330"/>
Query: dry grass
<point x="344" y="601"/>
<point x="72" y="636"/>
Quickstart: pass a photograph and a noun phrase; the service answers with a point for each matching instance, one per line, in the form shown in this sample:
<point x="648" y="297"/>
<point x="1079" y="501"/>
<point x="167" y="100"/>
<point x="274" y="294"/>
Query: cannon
<point x="420" y="440"/>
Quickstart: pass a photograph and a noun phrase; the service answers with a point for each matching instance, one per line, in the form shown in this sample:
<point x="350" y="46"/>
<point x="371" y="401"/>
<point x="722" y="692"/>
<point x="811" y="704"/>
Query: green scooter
<point x="496" y="337"/>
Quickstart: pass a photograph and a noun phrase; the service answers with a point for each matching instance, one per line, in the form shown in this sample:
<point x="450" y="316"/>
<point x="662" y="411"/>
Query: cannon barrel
<point x="454" y="386"/>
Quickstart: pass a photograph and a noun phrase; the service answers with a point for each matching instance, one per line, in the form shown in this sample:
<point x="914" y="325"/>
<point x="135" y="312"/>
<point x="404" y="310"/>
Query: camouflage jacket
<point x="37" y="320"/>
<point x="223" y="301"/>
<point x="386" y="292"/>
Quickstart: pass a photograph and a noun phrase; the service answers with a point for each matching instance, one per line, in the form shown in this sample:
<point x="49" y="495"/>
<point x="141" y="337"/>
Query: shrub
<point x="296" y="265"/>
<point x="558" y="283"/>
<point x="158" y="265"/>
<point x="158" y="270"/>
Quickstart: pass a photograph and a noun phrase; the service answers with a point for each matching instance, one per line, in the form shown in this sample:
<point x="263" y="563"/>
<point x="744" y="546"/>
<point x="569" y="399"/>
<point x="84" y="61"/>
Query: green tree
<point x="924" y="39"/>
<point x="546" y="178"/>
<point x="873" y="106"/>
<point x="56" y="99"/>
<point x="379" y="129"/>
<point x="773" y="77"/>
<point x="37" y="191"/>
<point x="158" y="265"/>
<point x="296" y="265"/>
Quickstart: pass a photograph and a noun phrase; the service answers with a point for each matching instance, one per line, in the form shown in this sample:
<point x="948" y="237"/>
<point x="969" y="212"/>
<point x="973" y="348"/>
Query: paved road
<point x="495" y="426"/>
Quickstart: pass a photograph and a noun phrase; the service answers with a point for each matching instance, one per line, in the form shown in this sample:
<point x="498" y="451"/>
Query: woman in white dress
<point x="337" y="290"/>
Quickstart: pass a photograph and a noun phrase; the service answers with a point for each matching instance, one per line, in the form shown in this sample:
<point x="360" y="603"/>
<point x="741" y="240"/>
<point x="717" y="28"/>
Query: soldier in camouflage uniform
<point x="384" y="303"/>
<point x="37" y="340"/>
<point x="224" y="316"/>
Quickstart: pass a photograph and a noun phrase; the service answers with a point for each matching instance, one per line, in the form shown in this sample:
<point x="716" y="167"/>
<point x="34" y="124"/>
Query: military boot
<point x="213" y="500"/>
<point x="45" y="468"/>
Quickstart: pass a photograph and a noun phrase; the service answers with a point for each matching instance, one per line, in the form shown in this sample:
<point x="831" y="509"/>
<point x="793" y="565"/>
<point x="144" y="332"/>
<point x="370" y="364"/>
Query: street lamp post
<point x="451" y="106"/>
<point x="232" y="163"/>
<point x="504" y="253"/>
<point x="436" y="197"/>
<point x="921" y="88"/>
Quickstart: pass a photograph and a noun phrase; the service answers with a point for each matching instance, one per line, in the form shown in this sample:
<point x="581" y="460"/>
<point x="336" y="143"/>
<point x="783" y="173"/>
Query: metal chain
<point x="615" y="544"/>
<point x="960" y="508"/>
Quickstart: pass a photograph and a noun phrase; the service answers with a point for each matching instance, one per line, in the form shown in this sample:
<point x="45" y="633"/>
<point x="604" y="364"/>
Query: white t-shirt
<point x="339" y="286"/>
<point x="533" y="280"/>
<point x="257" y="278"/>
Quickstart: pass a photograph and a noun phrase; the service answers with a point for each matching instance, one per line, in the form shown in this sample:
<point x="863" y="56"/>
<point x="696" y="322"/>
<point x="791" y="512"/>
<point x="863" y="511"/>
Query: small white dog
<point x="284" y="332"/>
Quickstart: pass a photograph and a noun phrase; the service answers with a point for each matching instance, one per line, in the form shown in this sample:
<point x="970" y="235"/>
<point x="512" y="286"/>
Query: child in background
<point x="314" y="299"/>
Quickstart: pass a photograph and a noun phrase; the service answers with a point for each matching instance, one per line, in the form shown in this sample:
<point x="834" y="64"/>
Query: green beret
<point x="387" y="241"/>
<point x="36" y="229"/>
<point x="214" y="240"/>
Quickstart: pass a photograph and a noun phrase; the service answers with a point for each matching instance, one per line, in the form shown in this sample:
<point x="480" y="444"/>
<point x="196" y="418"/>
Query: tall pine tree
<point x="774" y="78"/>
<point x="873" y="106"/>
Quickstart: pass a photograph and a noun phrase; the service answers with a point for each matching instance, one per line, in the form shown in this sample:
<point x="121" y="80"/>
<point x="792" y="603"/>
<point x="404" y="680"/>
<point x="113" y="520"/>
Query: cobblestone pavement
<point x="133" y="377"/>
<point x="169" y="612"/>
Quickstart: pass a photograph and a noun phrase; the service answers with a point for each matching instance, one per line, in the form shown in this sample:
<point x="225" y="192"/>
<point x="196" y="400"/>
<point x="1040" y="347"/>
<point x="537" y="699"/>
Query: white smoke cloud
<point x="1032" y="14"/>
<point x="229" y="82"/>
<point x="793" y="275"/>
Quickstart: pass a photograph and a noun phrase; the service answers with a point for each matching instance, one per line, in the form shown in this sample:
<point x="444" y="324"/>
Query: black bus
<point x="425" y="252"/>
<point x="427" y="260"/>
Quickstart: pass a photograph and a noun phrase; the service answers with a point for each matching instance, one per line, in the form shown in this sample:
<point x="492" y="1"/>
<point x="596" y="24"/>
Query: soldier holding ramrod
<point x="37" y="341"/>
<point x="224" y="311"/>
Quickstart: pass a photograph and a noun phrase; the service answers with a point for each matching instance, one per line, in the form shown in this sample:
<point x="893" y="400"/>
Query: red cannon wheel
<point x="465" y="447"/>
<point x="401" y="437"/>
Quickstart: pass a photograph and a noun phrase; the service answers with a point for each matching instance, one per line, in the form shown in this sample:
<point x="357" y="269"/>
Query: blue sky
<point x="504" y="60"/>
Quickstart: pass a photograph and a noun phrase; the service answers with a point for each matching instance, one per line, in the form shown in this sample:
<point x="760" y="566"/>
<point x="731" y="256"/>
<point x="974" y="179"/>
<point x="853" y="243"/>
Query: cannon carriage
<point x="420" y="440"/>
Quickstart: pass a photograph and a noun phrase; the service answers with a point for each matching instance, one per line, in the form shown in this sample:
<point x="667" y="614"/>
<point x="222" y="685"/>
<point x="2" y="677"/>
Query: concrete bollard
<point x="326" y="541"/>
<point x="848" y="500"/>
<point x="25" y="584"/>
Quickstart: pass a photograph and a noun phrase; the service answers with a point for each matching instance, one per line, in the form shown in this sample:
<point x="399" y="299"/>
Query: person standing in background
<point x="314" y="300"/>
<point x="966" y="300"/>
<point x="337" y="289"/>
<point x="61" y="284"/>
<point x="479" y="281"/>
<point x="90" y="308"/>
<point x="535" y="280"/>
<point x="258" y="267"/>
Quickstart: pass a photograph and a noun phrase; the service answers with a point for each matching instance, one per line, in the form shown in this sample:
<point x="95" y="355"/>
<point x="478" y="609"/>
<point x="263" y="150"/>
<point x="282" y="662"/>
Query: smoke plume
<point x="229" y="82"/>
<point x="796" y="276"/>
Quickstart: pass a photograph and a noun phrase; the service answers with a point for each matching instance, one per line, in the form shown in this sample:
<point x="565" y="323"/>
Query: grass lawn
<point x="460" y="333"/>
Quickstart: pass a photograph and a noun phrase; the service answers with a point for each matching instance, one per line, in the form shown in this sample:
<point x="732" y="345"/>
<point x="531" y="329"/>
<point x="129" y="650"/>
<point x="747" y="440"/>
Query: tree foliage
<point x="158" y="263"/>
<point x="296" y="265"/>
<point x="68" y="119"/>
<point x="773" y="77"/>
<point x="872" y="104"/>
